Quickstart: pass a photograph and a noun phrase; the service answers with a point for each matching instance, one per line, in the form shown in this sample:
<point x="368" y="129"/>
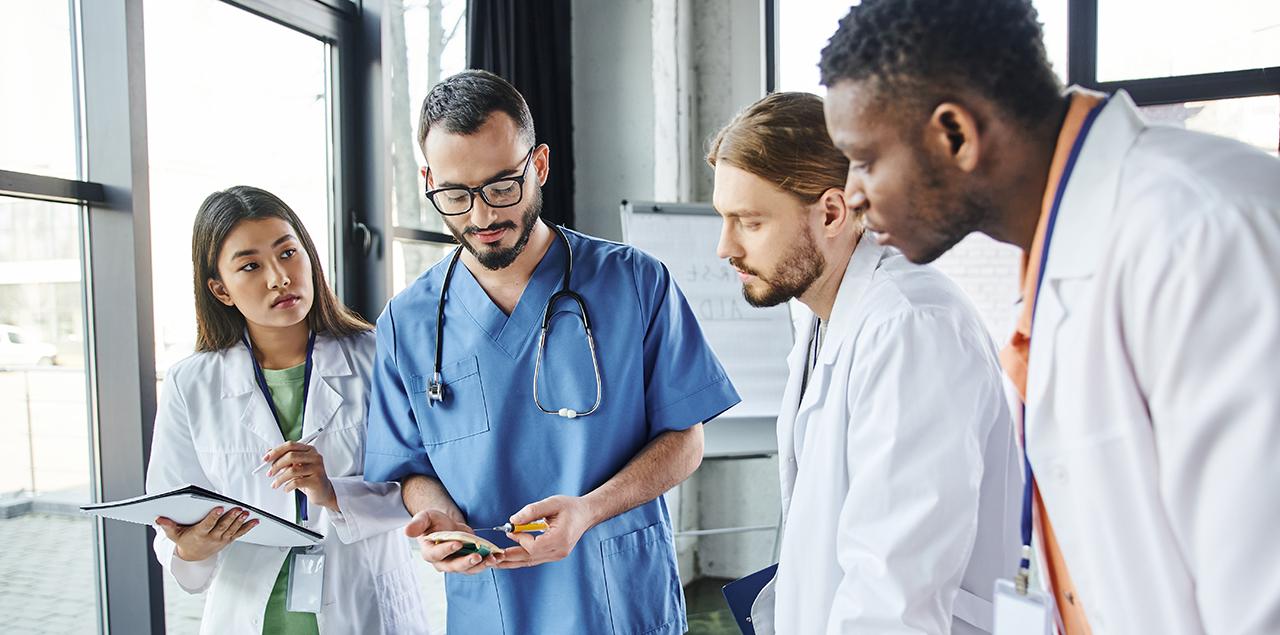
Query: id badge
<point x="306" y="581"/>
<point x="1018" y="614"/>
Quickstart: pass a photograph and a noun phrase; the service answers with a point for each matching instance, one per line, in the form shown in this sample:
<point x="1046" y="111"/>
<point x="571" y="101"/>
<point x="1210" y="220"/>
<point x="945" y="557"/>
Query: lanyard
<point x="300" y="498"/>
<point x="1028" y="487"/>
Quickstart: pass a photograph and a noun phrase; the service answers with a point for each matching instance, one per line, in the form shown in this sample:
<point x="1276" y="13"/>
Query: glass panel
<point x="411" y="258"/>
<point x="38" y="131"/>
<point x="803" y="31"/>
<point x="1164" y="38"/>
<point x="805" y="28"/>
<point x="1053" y="21"/>
<point x="1253" y="120"/>
<point x="222" y="111"/>
<point x="249" y="110"/>
<point x="423" y="41"/>
<point x="48" y="577"/>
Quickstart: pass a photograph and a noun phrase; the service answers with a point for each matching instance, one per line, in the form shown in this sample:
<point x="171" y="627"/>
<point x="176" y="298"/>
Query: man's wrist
<point x="595" y="507"/>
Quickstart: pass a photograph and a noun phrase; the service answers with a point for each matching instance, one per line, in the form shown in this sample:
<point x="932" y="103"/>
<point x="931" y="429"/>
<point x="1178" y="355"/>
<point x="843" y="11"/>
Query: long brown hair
<point x="219" y="326"/>
<point x="783" y="139"/>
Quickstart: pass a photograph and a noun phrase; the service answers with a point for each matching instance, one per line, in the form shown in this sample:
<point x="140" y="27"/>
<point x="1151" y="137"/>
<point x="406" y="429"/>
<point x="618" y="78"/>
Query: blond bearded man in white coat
<point x="898" y="465"/>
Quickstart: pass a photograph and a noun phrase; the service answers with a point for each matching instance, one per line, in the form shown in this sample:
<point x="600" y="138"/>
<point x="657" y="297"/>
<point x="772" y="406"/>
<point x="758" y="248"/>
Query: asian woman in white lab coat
<point x="279" y="359"/>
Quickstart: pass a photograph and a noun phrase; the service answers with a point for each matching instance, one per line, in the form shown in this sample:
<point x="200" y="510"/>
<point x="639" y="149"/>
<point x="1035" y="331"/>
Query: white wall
<point x="612" y="111"/>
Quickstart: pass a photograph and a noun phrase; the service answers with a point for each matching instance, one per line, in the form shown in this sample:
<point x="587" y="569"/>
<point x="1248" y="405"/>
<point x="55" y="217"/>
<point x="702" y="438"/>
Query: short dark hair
<point x="461" y="103"/>
<point x="926" y="49"/>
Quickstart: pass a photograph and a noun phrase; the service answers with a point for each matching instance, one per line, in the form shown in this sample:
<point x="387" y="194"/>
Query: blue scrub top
<point x="495" y="451"/>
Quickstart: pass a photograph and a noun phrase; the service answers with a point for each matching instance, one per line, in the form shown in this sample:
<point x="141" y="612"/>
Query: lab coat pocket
<point x="462" y="413"/>
<point x="400" y="607"/>
<point x="642" y="582"/>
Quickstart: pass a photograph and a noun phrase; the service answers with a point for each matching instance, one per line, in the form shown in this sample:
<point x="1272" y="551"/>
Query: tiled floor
<point x="708" y="613"/>
<point x="47" y="581"/>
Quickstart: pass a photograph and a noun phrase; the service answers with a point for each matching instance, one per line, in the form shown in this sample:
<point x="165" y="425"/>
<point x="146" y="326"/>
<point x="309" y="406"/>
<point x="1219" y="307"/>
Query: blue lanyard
<point x="1024" y="565"/>
<point x="300" y="498"/>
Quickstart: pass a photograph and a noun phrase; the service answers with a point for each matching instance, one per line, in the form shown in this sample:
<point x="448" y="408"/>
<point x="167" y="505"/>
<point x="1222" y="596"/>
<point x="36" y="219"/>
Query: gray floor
<point x="47" y="581"/>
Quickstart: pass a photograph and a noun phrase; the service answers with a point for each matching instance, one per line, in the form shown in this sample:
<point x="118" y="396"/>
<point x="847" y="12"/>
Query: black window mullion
<point x="1082" y="42"/>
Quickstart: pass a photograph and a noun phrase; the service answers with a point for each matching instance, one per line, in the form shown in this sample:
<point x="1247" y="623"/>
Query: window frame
<point x="1082" y="69"/>
<point x="1082" y="66"/>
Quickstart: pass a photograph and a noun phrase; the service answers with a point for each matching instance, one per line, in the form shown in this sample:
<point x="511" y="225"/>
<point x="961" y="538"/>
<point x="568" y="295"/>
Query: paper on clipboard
<point x="189" y="504"/>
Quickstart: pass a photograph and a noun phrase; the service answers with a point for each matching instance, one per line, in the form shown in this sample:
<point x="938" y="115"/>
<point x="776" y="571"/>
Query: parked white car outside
<point x="19" y="348"/>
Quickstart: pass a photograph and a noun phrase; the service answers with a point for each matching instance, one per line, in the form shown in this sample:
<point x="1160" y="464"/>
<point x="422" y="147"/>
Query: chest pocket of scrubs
<point x="463" y="412"/>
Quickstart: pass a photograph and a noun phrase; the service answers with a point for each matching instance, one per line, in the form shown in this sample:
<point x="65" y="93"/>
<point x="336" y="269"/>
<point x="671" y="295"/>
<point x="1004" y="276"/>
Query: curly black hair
<point x="926" y="49"/>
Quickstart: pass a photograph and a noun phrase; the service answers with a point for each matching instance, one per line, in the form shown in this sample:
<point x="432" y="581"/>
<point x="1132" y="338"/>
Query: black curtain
<point x="527" y="43"/>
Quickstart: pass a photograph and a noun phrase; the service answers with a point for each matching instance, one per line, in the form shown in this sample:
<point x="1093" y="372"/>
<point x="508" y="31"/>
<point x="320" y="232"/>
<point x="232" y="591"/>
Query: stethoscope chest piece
<point x="435" y="390"/>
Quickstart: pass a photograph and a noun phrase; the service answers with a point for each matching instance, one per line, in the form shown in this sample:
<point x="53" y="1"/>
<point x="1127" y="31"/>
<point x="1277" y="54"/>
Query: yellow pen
<point x="537" y="525"/>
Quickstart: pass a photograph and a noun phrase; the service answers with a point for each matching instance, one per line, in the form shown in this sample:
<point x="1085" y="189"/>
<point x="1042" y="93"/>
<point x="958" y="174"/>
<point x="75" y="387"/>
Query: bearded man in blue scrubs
<point x="477" y="441"/>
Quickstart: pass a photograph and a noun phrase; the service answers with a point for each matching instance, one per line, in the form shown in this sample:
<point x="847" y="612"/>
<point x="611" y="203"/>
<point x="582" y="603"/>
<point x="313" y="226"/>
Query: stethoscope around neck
<point x="435" y="389"/>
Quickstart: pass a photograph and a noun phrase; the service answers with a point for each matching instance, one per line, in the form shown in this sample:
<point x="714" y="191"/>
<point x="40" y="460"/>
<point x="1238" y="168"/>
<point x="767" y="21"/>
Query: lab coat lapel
<point x="329" y="361"/>
<point x="789" y="409"/>
<point x="1084" y="215"/>
<point x="845" y="314"/>
<point x="240" y="385"/>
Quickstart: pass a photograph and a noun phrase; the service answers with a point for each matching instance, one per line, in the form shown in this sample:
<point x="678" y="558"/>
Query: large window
<point x="423" y="42"/>
<point x="222" y="111"/>
<point x="1185" y="37"/>
<point x="803" y="30"/>
<point x="38" y="111"/>
<point x="46" y="548"/>
<point x="232" y="97"/>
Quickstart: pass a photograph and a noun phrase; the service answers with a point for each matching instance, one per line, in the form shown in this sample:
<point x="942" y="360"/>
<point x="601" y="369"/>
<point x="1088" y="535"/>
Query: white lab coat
<point x="1153" y="387"/>
<point x="212" y="427"/>
<point x="900" y="474"/>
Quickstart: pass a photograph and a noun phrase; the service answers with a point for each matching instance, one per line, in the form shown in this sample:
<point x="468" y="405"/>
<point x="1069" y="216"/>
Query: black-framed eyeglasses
<point x="503" y="192"/>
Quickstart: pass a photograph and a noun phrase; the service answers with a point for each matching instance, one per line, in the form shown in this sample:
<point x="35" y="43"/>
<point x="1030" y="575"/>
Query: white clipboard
<point x="189" y="504"/>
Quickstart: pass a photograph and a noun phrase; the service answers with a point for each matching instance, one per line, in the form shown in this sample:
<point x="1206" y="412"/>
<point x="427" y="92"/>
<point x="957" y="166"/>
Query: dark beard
<point x="792" y="278"/>
<point x="495" y="259"/>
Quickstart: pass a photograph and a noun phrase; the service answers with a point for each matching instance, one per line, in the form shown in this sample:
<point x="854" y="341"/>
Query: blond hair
<point x="783" y="139"/>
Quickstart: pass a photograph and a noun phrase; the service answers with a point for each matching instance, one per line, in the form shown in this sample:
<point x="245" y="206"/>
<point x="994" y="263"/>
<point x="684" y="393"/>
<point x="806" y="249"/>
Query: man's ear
<point x="952" y="135"/>
<point x="836" y="214"/>
<point x="542" y="162"/>
<point x="426" y="175"/>
<point x="219" y="291"/>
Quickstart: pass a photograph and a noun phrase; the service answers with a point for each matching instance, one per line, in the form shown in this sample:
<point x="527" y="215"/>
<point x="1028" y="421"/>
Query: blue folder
<point x="741" y="594"/>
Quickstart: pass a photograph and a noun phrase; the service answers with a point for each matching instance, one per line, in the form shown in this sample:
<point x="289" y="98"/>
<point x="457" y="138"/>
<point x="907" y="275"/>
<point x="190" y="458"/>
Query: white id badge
<point x="306" y="582"/>
<point x="1017" y="614"/>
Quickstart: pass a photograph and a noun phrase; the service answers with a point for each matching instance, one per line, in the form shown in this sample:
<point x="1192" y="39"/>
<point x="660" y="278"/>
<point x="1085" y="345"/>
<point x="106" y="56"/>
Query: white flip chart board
<point x="752" y="343"/>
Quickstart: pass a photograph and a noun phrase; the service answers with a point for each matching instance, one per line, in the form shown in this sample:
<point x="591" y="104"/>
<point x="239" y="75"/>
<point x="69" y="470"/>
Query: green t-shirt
<point x="286" y="388"/>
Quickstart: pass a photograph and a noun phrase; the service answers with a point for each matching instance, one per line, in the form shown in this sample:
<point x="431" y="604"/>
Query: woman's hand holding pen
<point x="298" y="466"/>
<point x="206" y="538"/>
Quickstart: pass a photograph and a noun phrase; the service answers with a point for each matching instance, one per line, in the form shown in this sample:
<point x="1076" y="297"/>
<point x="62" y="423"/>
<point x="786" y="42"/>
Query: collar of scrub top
<point x="435" y="389"/>
<point x="1023" y="576"/>
<point x="300" y="498"/>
